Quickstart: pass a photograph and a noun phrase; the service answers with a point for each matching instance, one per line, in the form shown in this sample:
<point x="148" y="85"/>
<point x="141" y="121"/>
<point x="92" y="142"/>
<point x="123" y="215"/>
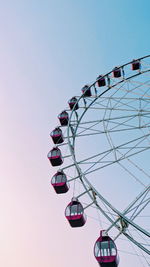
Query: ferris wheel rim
<point x="81" y="175"/>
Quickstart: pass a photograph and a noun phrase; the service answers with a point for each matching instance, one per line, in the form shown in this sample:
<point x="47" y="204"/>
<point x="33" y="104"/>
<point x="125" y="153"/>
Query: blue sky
<point x="48" y="51"/>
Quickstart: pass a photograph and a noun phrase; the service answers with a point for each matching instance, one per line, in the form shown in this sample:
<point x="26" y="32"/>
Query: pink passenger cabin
<point x="86" y="91"/>
<point x="60" y="183"/>
<point x="105" y="251"/>
<point x="75" y="213"/>
<point x="135" y="64"/>
<point x="63" y="118"/>
<point x="57" y="136"/>
<point x="116" y="72"/>
<point x="73" y="103"/>
<point x="101" y="81"/>
<point x="55" y="156"/>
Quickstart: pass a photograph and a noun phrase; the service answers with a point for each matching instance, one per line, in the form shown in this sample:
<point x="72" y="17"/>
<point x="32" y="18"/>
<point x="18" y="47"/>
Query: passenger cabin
<point x="57" y="136"/>
<point x="136" y="65"/>
<point x="73" y="103"/>
<point x="117" y="72"/>
<point x="105" y="251"/>
<point x="63" y="118"/>
<point x="101" y="81"/>
<point x="86" y="91"/>
<point x="75" y="213"/>
<point x="60" y="183"/>
<point x="55" y="156"/>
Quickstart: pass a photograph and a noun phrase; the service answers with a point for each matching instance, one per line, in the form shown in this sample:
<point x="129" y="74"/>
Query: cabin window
<point x="62" y="115"/>
<point x="105" y="251"/>
<point x="63" y="178"/>
<point x="73" y="210"/>
<point x="112" y="248"/>
<point x="97" y="249"/>
<point x="105" y="248"/>
<point x="55" y="132"/>
<point x="53" y="179"/>
<point x="73" y="100"/>
<point x="80" y="209"/>
<point x="58" y="179"/>
<point x="67" y="213"/>
<point x="54" y="153"/>
<point x="49" y="154"/>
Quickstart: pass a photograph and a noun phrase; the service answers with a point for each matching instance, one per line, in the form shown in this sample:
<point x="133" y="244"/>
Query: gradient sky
<point x="48" y="51"/>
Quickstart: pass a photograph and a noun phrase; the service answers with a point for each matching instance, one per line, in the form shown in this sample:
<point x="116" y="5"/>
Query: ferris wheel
<point x="102" y="149"/>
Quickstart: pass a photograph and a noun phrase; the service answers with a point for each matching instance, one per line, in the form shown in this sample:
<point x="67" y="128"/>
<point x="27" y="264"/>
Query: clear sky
<point x="48" y="51"/>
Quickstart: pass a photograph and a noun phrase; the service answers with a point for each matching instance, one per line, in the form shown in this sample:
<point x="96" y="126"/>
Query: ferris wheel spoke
<point x="135" y="177"/>
<point x="88" y="171"/>
<point x="122" y="119"/>
<point x="132" y="175"/>
<point x="136" y="146"/>
<point x="144" y="96"/>
<point x="141" y="202"/>
<point x="125" y="124"/>
<point x="136" y="214"/>
<point x="146" y="242"/>
<point x="112" y="146"/>
<point x="139" y="168"/>
<point x="118" y="101"/>
<point x="129" y="104"/>
<point x="110" y="119"/>
<point x="131" y="206"/>
<point x="131" y="127"/>
<point x="97" y="132"/>
<point x="137" y="243"/>
<point x="139" y="253"/>
<point x="91" y="131"/>
<point x="125" y="88"/>
<point x="140" y="84"/>
<point x="132" y="87"/>
<point x="107" y="216"/>
<point x="120" y="104"/>
<point x="140" y="139"/>
<point x="121" y="101"/>
<point x="116" y="211"/>
<point x="103" y="93"/>
<point x="114" y="109"/>
<point x="104" y="154"/>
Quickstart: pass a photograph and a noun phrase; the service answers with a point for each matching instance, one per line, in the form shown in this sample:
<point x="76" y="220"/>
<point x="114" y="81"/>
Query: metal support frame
<point x="71" y="141"/>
